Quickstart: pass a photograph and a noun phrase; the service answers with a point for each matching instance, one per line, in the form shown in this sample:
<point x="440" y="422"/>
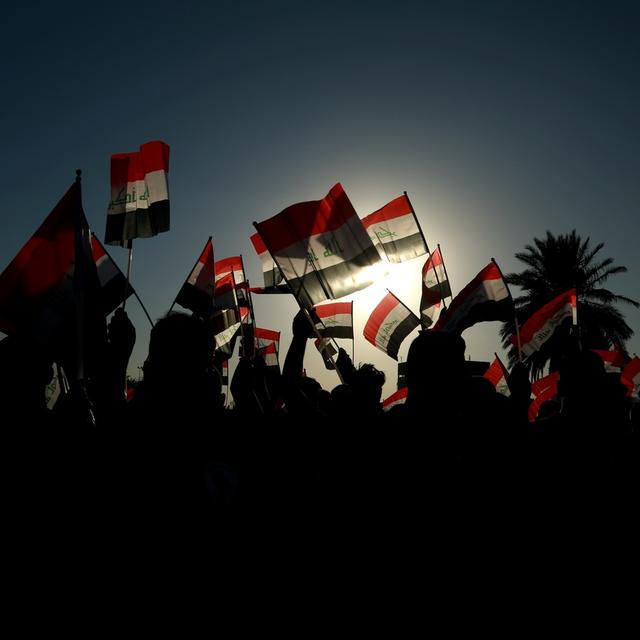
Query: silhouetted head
<point x="180" y="350"/>
<point x="367" y="383"/>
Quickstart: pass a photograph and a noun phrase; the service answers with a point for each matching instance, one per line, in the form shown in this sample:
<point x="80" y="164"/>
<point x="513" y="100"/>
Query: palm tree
<point x="554" y="265"/>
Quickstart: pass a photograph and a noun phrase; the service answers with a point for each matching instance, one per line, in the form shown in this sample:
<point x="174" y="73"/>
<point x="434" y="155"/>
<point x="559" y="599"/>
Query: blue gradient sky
<point x="500" y="119"/>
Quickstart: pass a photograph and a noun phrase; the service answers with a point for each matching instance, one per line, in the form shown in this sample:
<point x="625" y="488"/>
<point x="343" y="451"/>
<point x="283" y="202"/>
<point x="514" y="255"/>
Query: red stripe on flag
<point x="333" y="309"/>
<point x="394" y="209"/>
<point x="380" y="313"/>
<point x="129" y="167"/>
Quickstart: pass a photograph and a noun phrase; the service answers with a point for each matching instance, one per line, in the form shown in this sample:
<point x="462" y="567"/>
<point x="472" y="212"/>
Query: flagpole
<point x="305" y="310"/>
<point x="249" y="300"/>
<point x="426" y="244"/>
<point x="129" y="261"/>
<point x="518" y="337"/>
<point x="173" y="304"/>
<point x="446" y="275"/>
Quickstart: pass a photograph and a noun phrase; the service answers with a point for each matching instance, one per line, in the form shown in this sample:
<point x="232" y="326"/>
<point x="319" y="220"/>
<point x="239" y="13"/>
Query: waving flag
<point x="541" y="325"/>
<point x="630" y="378"/>
<point x="389" y="324"/>
<point x="336" y="319"/>
<point x="395" y="399"/>
<point x="51" y="292"/>
<point x="395" y="232"/>
<point x="270" y="355"/>
<point x="484" y="299"/>
<point x="197" y="292"/>
<point x="543" y="389"/>
<point x="265" y="337"/>
<point x="139" y="206"/>
<point x="498" y="375"/>
<point x="435" y="287"/>
<point x="270" y="271"/>
<point x="614" y="361"/>
<point x="231" y="265"/>
<point x="321" y="248"/>
<point x="327" y="351"/>
<point x="113" y="283"/>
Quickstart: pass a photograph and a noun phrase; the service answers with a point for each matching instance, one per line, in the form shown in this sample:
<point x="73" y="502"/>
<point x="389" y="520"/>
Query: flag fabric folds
<point x="327" y="351"/>
<point x="270" y="272"/>
<point x="321" y="248"/>
<point x="435" y="287"/>
<point x="336" y="319"/>
<point x="613" y="360"/>
<point x="395" y="399"/>
<point x="541" y="325"/>
<point x="389" y="324"/>
<point x="395" y="232"/>
<point x="498" y="375"/>
<point x="484" y="299"/>
<point x="50" y="291"/>
<point x="265" y="337"/>
<point x="139" y="206"/>
<point x="630" y="377"/>
<point x="113" y="283"/>
<point x="196" y="294"/>
<point x="543" y="389"/>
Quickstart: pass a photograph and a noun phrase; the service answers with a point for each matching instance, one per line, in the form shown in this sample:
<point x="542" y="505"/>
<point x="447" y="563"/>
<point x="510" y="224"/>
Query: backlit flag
<point x="435" y="287"/>
<point x="139" y="206"/>
<point x="197" y="292"/>
<point x="225" y="294"/>
<point x="389" y="324"/>
<point x="113" y="283"/>
<point x="322" y="248"/>
<point x="265" y="337"/>
<point x="230" y="265"/>
<point x="498" y="375"/>
<point x="542" y="384"/>
<point x="541" y="325"/>
<point x="395" y="399"/>
<point x="613" y="360"/>
<point x="336" y="319"/>
<point x="484" y="299"/>
<point x="270" y="271"/>
<point x="270" y="355"/>
<point x="224" y="374"/>
<point x="630" y="377"/>
<point x="395" y="232"/>
<point x="327" y="351"/>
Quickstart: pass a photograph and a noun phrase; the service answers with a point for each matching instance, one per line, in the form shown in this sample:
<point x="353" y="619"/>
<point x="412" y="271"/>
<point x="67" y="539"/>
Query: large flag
<point x="541" y="325"/>
<point x="139" y="206"/>
<point x="197" y="291"/>
<point x="270" y="272"/>
<point x="630" y="378"/>
<point x="498" y="375"/>
<point x="395" y="399"/>
<point x="114" y="285"/>
<point x="336" y="319"/>
<point x="389" y="324"/>
<point x="435" y="287"/>
<point x="50" y="291"/>
<point x="484" y="299"/>
<point x="395" y="232"/>
<point x="321" y="248"/>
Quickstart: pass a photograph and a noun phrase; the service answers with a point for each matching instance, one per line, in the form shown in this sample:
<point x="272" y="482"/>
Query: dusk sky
<point x="500" y="119"/>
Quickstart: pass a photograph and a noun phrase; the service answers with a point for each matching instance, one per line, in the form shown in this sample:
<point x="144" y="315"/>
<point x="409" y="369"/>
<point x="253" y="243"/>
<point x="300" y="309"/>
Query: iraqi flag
<point x="322" y="248"/>
<point x="395" y="399"/>
<point x="50" y="291"/>
<point x="435" y="287"/>
<point x="197" y="292"/>
<point x="630" y="377"/>
<point x="389" y="324"/>
<point x="498" y="375"/>
<point x="139" y="206"/>
<point x="224" y="374"/>
<point x="484" y="299"/>
<point x="113" y="283"/>
<point x="395" y="232"/>
<point x="270" y="272"/>
<point x="614" y="361"/>
<point x="265" y="337"/>
<point x="269" y="354"/>
<point x="232" y="265"/>
<point x="336" y="319"/>
<point x="327" y="351"/>
<point x="539" y="386"/>
<point x="541" y="325"/>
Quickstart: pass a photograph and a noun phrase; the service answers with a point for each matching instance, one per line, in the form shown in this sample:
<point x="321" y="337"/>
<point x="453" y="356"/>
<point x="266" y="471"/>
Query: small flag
<point x="498" y="375"/>
<point x="197" y="292"/>
<point x="435" y="287"/>
<point x="336" y="319"/>
<point x="114" y="285"/>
